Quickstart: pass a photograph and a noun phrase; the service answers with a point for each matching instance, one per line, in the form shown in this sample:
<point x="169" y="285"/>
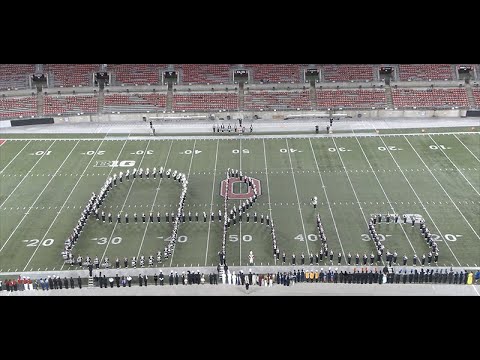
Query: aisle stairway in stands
<point x="241" y="96"/>
<point x="470" y="97"/>
<point x="101" y="100"/>
<point x="90" y="282"/>
<point x="313" y="95"/>
<point x="40" y="103"/>
<point x="388" y="96"/>
<point x="169" y="104"/>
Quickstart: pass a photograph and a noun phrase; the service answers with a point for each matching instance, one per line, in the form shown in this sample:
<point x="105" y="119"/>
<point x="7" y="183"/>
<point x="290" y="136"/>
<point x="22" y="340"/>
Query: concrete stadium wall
<point x="264" y="115"/>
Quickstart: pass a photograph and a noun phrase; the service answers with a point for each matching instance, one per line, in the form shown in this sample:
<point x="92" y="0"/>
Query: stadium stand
<point x="476" y="96"/>
<point x="207" y="73"/>
<point x="280" y="100"/>
<point x="447" y="97"/>
<point x="205" y="101"/>
<point x="18" y="107"/>
<point x="135" y="102"/>
<point x="351" y="98"/>
<point x="416" y="72"/>
<point x="69" y="75"/>
<point x="350" y="72"/>
<point x="266" y="73"/>
<point x="15" y="76"/>
<point x="65" y="105"/>
<point x="136" y="74"/>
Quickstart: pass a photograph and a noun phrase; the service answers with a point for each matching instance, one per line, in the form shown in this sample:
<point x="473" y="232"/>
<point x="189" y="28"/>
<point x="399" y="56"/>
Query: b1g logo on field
<point x="115" y="163"/>
<point x="239" y="189"/>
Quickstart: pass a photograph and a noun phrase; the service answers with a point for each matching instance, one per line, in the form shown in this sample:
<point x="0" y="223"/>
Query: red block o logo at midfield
<point x="232" y="195"/>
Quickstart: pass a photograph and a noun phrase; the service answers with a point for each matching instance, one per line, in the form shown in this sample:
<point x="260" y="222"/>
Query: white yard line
<point x="15" y="157"/>
<point x="475" y="288"/>
<point x="470" y="151"/>
<point x="326" y="196"/>
<point x="60" y="210"/>
<point x="211" y="202"/>
<point x="268" y="188"/>
<point x="383" y="190"/>
<point x="188" y="176"/>
<point x="453" y="202"/>
<point x="348" y="177"/>
<point x="456" y="167"/>
<point x="240" y="223"/>
<point x="111" y="169"/>
<point x="26" y="175"/>
<point x="124" y="202"/>
<point x="49" y="181"/>
<point x="298" y="198"/>
<point x="418" y="198"/>
<point x="154" y="200"/>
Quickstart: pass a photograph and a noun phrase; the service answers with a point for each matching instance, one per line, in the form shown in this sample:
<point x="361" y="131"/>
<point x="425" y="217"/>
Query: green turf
<point x="361" y="176"/>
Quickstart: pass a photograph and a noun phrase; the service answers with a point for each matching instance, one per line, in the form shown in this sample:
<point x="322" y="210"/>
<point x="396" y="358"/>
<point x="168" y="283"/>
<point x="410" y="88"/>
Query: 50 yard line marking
<point x="38" y="197"/>
<point x="211" y="202"/>
<point x="29" y="171"/>
<point x="124" y="202"/>
<point x="188" y="176"/>
<point x="453" y="202"/>
<point x="15" y="157"/>
<point x="59" y="211"/>
<point x="326" y="196"/>
<point x="418" y="198"/>
<point x="154" y="199"/>
<point x="298" y="198"/>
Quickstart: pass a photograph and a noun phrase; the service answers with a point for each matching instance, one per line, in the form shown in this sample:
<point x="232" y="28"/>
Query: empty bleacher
<point x="135" y="102"/>
<point x="15" y="76"/>
<point x="70" y="105"/>
<point x="417" y="72"/>
<point x="274" y="73"/>
<point x="278" y="100"/>
<point x="18" y="107"/>
<point x="447" y="97"/>
<point x="349" y="72"/>
<point x="206" y="73"/>
<point x="351" y="98"/>
<point x="476" y="96"/>
<point x="70" y="75"/>
<point x="205" y="101"/>
<point x="137" y="74"/>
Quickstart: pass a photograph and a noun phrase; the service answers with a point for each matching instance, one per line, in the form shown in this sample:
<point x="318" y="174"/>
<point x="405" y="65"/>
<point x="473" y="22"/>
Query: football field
<point x="45" y="184"/>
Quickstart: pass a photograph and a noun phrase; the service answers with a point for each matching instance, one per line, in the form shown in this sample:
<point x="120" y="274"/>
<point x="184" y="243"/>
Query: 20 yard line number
<point x="35" y="242"/>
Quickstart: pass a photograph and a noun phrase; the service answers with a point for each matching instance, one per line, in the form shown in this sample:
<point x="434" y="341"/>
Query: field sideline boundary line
<point x="258" y="136"/>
